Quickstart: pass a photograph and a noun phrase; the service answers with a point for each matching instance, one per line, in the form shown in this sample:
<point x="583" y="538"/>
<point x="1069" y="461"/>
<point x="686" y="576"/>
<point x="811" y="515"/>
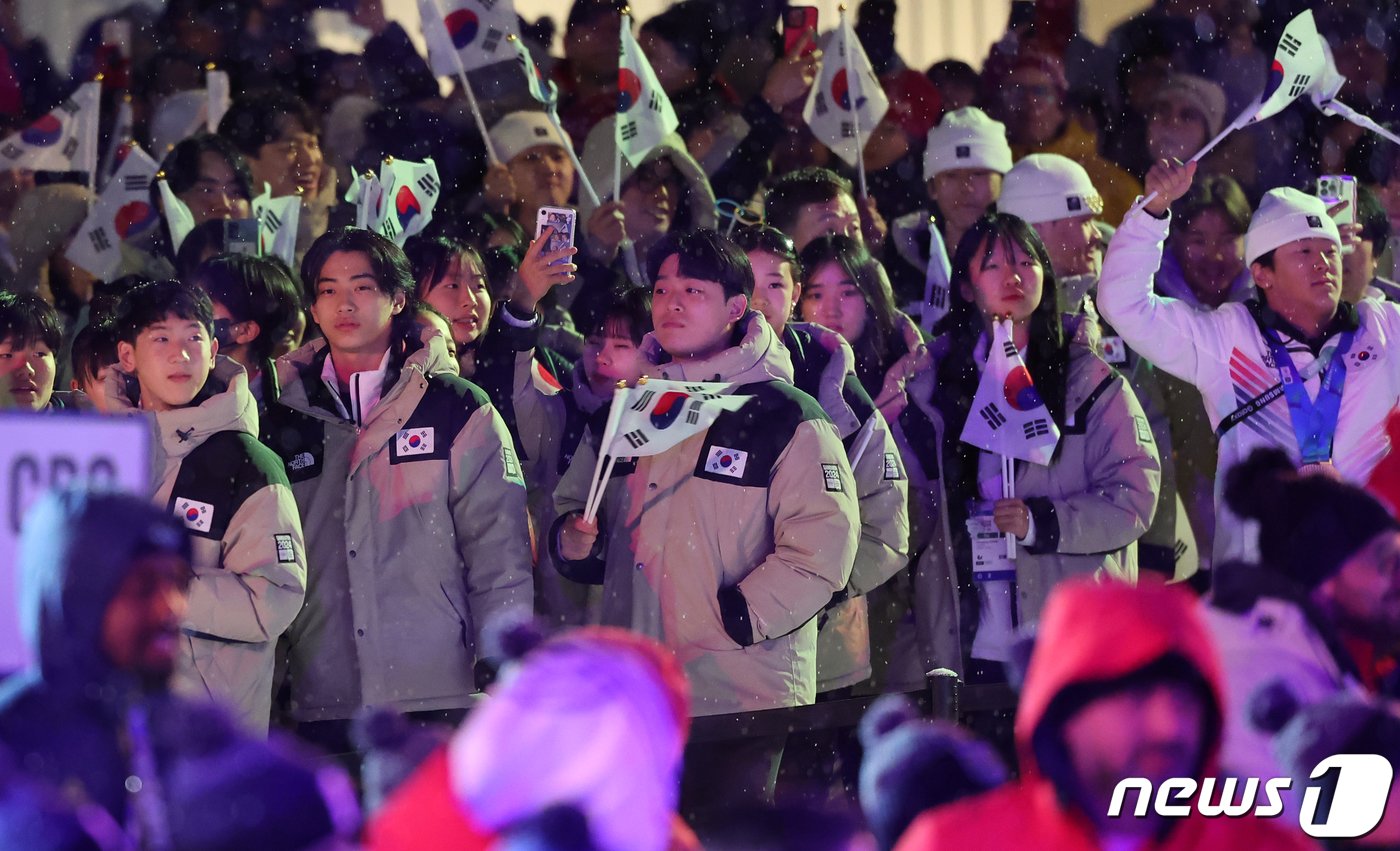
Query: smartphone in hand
<point x="1336" y="188"/>
<point x="563" y="221"/>
<point x="797" y="22"/>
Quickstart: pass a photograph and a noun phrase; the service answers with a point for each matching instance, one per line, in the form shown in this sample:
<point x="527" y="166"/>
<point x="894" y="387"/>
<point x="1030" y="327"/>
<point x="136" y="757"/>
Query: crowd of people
<point x="379" y="595"/>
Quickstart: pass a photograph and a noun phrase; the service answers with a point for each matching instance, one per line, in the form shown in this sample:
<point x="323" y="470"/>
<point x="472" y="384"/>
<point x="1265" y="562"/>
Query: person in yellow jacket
<point x="411" y="494"/>
<point x="229" y="490"/>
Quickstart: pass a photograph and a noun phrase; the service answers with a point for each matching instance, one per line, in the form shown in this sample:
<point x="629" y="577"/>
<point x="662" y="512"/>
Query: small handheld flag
<point x="123" y="211"/>
<point x="1008" y="416"/>
<point x="644" y="112"/>
<point x="847" y="101"/>
<point x="63" y="140"/>
<point x="411" y="192"/>
<point x="278" y="220"/>
<point x="177" y="216"/>
<point x="653" y="417"/>
<point x="474" y="30"/>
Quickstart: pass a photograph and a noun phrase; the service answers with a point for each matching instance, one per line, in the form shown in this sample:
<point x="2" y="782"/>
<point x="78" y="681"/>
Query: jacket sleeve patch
<point x="1144" y="431"/>
<point x="197" y="516"/>
<point x="286" y="553"/>
<point x="511" y="466"/>
<point x="892" y="471"/>
<point x="831" y="478"/>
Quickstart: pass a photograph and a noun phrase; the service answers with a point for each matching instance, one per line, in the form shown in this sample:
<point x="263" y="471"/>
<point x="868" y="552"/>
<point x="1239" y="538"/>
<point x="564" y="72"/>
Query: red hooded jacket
<point x="1093" y="632"/>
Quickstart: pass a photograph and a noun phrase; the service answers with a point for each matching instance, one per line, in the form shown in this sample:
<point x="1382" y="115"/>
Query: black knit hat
<point x="1309" y="525"/>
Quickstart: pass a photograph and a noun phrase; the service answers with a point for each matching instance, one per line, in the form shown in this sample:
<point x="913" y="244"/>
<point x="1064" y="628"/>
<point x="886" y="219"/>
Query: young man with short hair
<point x="94" y="356"/>
<point x="727" y="545"/>
<point x="410" y="492"/>
<point x="231" y="493"/>
<point x="30" y="335"/>
<point x="534" y="169"/>
<point x="1295" y="369"/>
<point x="813" y="202"/>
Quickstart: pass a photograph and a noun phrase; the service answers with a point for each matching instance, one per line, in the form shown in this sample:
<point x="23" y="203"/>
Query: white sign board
<point x="39" y="452"/>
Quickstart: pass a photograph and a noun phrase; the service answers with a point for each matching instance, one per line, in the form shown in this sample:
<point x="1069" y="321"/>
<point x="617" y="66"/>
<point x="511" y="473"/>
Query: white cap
<point x="1286" y="215"/>
<point x="1046" y="187"/>
<point x="967" y="138"/>
<point x="520" y="130"/>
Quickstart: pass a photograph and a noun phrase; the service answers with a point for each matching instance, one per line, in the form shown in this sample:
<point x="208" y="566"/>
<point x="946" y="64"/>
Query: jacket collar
<point x="365" y="388"/>
<point x="1345" y="319"/>
<point x="223" y="404"/>
<point x="755" y="356"/>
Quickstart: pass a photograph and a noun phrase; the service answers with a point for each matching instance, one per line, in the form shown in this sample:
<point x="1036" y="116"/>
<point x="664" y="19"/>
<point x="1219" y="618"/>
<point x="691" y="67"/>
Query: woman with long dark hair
<point x="1082" y="513"/>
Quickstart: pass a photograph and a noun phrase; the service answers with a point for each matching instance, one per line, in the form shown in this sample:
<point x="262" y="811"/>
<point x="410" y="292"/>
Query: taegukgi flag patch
<point x="727" y="462"/>
<point x="414" y="441"/>
<point x="197" y="515"/>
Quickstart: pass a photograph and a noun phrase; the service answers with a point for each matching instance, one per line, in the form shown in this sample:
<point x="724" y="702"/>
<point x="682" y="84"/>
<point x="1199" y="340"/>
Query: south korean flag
<point x="197" y="516"/>
<point x="1008" y="417"/>
<point x="414" y="441"/>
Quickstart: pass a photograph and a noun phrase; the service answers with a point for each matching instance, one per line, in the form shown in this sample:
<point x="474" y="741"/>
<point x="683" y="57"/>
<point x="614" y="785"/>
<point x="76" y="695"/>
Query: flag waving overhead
<point x="470" y="32"/>
<point x="411" y="191"/>
<point x="63" y="140"/>
<point x="644" y="112"/>
<point x="652" y="417"/>
<point x="846" y="102"/>
<point x="1300" y="63"/>
<point x="1008" y="416"/>
<point x="123" y="211"/>
<point x="278" y="219"/>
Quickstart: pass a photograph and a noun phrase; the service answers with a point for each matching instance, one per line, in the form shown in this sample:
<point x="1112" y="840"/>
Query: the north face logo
<point x="301" y="461"/>
<point x="1074" y="204"/>
<point x="962" y="152"/>
<point x="1314" y="222"/>
<point x="540" y="132"/>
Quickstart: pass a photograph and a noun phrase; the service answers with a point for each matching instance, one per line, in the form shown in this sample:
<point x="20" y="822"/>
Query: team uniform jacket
<point x="1089" y="506"/>
<point x="416" y="534"/>
<point x="1225" y="355"/>
<point x="249" y="557"/>
<point x="824" y="368"/>
<point x="695" y="555"/>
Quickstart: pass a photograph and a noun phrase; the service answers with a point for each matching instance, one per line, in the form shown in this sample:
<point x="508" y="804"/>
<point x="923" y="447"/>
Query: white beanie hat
<point x="520" y="130"/>
<point x="967" y="138"/>
<point x="1046" y="187"/>
<point x="1286" y="215"/>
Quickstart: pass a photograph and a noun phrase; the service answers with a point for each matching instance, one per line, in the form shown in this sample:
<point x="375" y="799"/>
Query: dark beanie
<point x="1309" y="524"/>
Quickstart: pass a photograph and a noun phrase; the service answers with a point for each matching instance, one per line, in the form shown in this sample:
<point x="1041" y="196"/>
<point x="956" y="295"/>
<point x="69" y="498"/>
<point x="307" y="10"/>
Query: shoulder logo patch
<point x="892" y="473"/>
<point x="286" y="553"/>
<point x="197" y="515"/>
<point x="831" y="477"/>
<point x="415" y="441"/>
<point x="511" y="465"/>
<point x="727" y="462"/>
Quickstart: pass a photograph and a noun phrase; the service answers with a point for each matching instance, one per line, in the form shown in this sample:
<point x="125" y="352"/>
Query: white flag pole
<point x="853" y="95"/>
<point x="467" y="88"/>
<point x="1361" y="120"/>
<point x="595" y="488"/>
<point x="1008" y="491"/>
<point x="583" y="180"/>
<point x="1239" y="122"/>
<point x="617" y="119"/>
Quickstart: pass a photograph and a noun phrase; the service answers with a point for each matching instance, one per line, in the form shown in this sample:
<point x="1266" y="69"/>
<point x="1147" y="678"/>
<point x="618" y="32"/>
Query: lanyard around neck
<point x="1314" y="420"/>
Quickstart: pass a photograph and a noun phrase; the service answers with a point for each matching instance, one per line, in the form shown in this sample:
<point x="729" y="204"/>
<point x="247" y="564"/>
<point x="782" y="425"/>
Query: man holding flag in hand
<point x="726" y="545"/>
<point x="1298" y="368"/>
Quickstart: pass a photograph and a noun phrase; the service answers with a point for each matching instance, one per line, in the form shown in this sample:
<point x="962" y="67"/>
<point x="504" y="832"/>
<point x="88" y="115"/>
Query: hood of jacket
<point x="600" y="157"/>
<point x="76" y="549"/>
<point x="224" y="404"/>
<point x="585" y="397"/>
<point x="1130" y="629"/>
<point x="299" y="373"/>
<point x="831" y="383"/>
<point x="756" y="355"/>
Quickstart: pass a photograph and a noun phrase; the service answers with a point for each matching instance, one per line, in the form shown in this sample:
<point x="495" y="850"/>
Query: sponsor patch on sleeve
<point x="831" y="478"/>
<point x="286" y="553"/>
<point x="511" y="465"/>
<point x="1144" y="431"/>
<point x="892" y="472"/>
